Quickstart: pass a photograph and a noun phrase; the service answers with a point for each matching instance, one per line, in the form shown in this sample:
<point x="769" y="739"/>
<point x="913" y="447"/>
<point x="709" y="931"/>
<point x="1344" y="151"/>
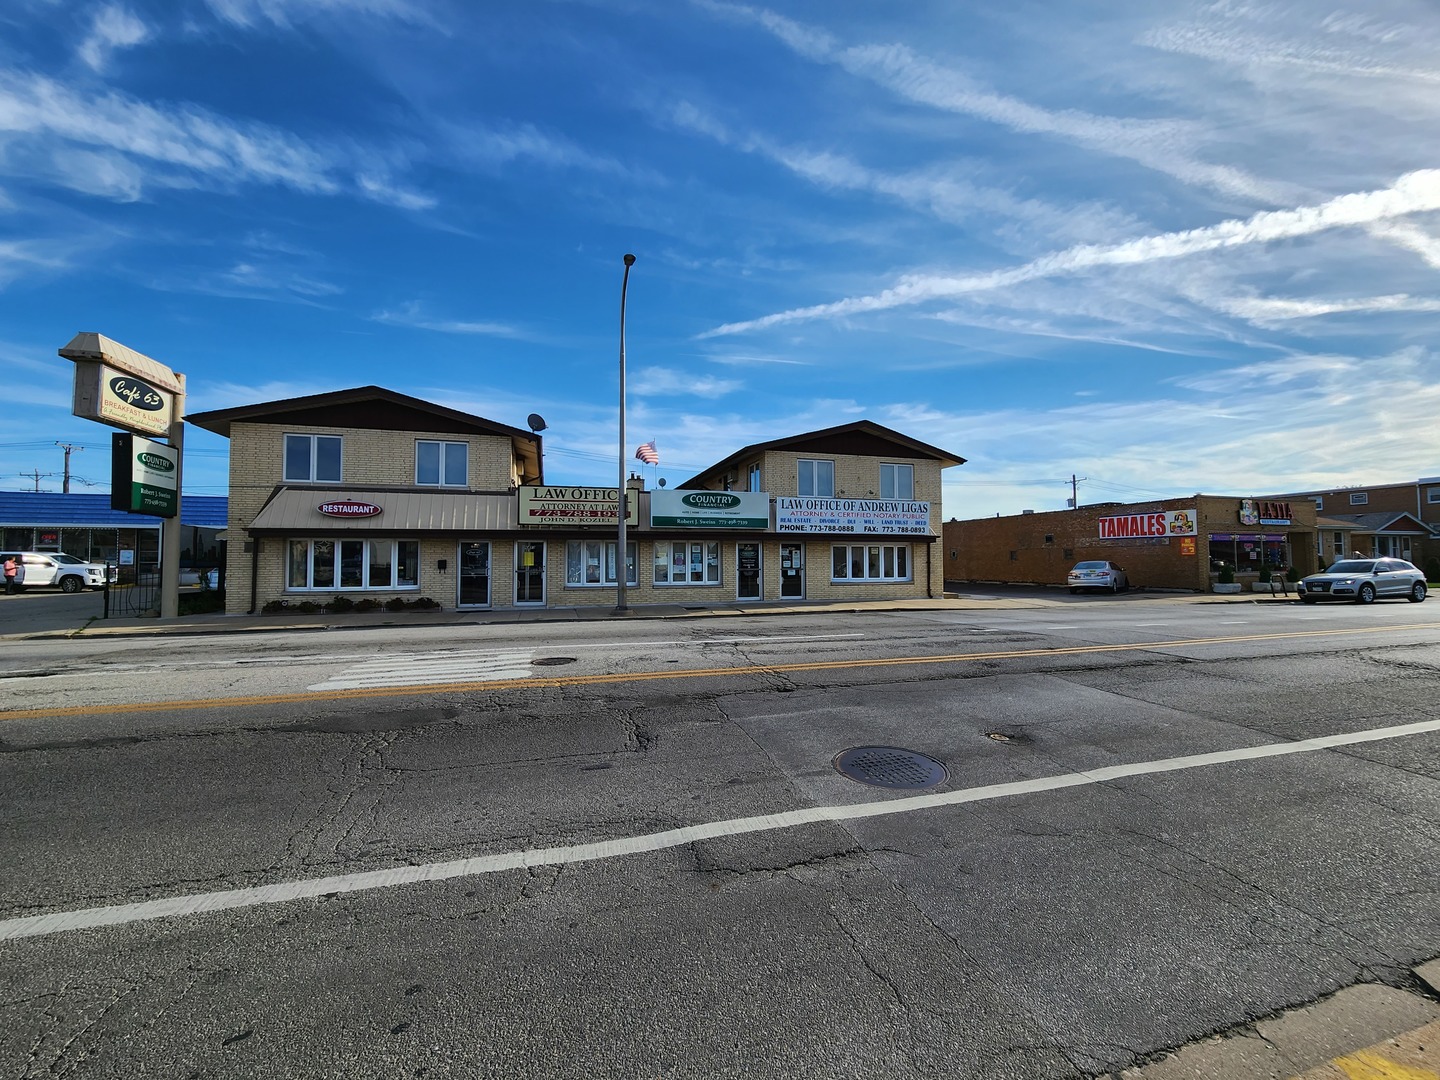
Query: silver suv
<point x="51" y="568"/>
<point x="1364" y="581"/>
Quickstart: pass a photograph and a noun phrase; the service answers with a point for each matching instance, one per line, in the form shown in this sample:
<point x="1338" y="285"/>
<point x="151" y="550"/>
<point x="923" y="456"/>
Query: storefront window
<point x="364" y="564"/>
<point x="873" y="562"/>
<point x="592" y="562"/>
<point x="687" y="563"/>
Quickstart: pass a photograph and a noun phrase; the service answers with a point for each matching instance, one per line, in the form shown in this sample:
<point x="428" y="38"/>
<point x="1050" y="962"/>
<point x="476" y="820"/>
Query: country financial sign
<point x="143" y="476"/>
<point x="709" y="510"/>
<point x="1161" y="523"/>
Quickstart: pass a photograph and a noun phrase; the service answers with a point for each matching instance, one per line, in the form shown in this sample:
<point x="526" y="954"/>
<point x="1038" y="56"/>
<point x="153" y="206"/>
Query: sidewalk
<point x="218" y="623"/>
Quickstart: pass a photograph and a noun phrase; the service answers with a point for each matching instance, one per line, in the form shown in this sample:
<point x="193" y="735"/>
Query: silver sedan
<point x="1097" y="574"/>
<point x="1365" y="581"/>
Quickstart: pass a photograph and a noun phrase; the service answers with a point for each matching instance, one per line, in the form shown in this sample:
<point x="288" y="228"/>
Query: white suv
<point x="57" y="568"/>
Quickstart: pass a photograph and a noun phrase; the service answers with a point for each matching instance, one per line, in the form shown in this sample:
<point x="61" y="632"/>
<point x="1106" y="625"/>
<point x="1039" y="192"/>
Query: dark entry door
<point x="747" y="571"/>
<point x="530" y="572"/>
<point x="474" y="560"/>
<point x="792" y="571"/>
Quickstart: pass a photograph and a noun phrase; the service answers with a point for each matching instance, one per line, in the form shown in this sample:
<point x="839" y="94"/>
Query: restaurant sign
<point x="1264" y="512"/>
<point x="879" y="517"/>
<point x="709" y="510"/>
<point x="349" y="508"/>
<point x="544" y="505"/>
<point x="1161" y="523"/>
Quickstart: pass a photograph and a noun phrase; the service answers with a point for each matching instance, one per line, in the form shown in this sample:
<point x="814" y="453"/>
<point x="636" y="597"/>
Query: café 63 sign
<point x="121" y="400"/>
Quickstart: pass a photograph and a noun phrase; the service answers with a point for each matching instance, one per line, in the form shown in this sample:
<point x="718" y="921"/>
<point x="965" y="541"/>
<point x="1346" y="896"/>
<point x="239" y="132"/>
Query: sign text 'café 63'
<point x="122" y="400"/>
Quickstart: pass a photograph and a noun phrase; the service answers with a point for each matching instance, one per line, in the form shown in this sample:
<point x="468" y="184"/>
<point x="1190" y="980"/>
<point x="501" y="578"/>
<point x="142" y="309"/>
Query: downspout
<point x="929" y="581"/>
<point x="254" y="576"/>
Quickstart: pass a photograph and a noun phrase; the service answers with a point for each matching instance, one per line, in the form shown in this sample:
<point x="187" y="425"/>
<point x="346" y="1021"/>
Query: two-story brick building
<point x="1400" y="521"/>
<point x="371" y="496"/>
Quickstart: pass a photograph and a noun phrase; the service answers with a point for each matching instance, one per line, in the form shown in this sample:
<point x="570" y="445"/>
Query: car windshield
<point x="1090" y="565"/>
<point x="68" y="560"/>
<point x="1351" y="566"/>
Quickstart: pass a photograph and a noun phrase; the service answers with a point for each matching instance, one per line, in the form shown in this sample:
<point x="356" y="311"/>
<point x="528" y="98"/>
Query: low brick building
<point x="1168" y="544"/>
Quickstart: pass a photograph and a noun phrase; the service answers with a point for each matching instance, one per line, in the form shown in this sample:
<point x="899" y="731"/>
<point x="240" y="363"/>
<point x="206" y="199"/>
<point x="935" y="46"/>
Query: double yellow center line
<point x="686" y="673"/>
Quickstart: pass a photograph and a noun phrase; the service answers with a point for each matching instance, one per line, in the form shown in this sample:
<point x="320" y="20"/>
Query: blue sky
<point x="1168" y="248"/>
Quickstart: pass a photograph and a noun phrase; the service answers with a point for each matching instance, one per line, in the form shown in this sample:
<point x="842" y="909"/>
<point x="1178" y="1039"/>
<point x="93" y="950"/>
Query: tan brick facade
<point x="378" y="464"/>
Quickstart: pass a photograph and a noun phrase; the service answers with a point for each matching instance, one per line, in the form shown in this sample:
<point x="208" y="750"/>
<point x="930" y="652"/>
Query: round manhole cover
<point x="891" y="767"/>
<point x="552" y="661"/>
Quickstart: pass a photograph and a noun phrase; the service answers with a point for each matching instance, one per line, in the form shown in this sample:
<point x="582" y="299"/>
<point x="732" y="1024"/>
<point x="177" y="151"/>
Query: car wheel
<point x="1417" y="593"/>
<point x="1366" y="595"/>
<point x="71" y="584"/>
<point x="1114" y="588"/>
<point x="1307" y="599"/>
<point x="1073" y="590"/>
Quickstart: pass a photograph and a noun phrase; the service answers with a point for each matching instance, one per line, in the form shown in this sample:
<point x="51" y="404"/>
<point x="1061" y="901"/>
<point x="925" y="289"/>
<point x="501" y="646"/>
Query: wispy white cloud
<point x="739" y="360"/>
<point x="1167" y="146"/>
<point x="655" y="381"/>
<point x="267" y="279"/>
<point x="1217" y="432"/>
<point x="938" y="191"/>
<point x="1263" y="310"/>
<point x="113" y="27"/>
<point x="1413" y="193"/>
<point x="412" y="314"/>
<point x="23" y="256"/>
<point x="126" y="145"/>
<point x="284" y="13"/>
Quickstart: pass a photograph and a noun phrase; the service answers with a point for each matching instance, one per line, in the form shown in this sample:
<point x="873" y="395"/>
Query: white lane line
<point x="1060" y="628"/>
<point x="281" y="892"/>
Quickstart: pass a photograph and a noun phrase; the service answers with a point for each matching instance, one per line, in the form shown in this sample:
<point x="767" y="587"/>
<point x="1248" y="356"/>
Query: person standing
<point x="19" y="573"/>
<point x="12" y="566"/>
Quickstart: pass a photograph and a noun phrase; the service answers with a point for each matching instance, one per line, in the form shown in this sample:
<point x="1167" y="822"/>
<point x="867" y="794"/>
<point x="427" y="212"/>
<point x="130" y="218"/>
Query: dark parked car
<point x="1364" y="581"/>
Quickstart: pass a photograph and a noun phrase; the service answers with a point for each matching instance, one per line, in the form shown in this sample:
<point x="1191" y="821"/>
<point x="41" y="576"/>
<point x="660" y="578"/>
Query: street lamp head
<point x="629" y="260"/>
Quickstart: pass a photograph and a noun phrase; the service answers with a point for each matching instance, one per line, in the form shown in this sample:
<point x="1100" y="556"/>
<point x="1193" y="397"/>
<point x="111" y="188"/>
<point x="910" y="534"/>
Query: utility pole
<point x="38" y="476"/>
<point x="69" y="449"/>
<point x="1075" y="490"/>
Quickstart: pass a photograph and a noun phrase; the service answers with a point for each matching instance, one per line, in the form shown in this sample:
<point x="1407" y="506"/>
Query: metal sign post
<point x="118" y="386"/>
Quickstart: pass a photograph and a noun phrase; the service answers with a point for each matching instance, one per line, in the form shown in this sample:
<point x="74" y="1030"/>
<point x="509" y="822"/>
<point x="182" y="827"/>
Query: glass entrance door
<point x="747" y="571"/>
<point x="530" y="572"/>
<point x="792" y="571"/>
<point x="473" y="559"/>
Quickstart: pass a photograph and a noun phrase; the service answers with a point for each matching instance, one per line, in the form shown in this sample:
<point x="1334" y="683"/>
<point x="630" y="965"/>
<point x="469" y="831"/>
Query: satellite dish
<point x="536" y="422"/>
<point x="662" y="481"/>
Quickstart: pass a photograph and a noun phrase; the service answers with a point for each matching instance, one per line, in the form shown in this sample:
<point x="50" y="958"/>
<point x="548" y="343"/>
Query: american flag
<point x="648" y="454"/>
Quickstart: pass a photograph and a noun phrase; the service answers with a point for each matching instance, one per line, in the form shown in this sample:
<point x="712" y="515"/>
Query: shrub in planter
<point x="395" y="603"/>
<point x="342" y="604"/>
<point x="1227" y="574"/>
<point x="1264" y="575"/>
<point x="366" y="605"/>
<point x="1293" y="575"/>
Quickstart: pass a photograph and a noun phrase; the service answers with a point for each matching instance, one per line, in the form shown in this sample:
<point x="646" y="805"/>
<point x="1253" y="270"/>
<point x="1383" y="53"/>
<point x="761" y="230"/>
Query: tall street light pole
<point x="620" y="567"/>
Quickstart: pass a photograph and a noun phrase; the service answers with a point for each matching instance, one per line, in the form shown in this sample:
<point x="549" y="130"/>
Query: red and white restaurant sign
<point x="1160" y="523"/>
<point x="348" y="508"/>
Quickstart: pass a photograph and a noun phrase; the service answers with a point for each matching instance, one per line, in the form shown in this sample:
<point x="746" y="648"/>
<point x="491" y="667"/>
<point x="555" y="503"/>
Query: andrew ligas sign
<point x="142" y="476"/>
<point x="880" y="517"/>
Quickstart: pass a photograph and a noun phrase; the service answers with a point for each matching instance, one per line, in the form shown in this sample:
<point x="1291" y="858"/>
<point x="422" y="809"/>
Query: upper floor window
<point x="1319" y="502"/>
<point x="816" y="478"/>
<point x="312" y="459"/>
<point x="897" y="481"/>
<point x="1359" y="498"/>
<point x="441" y="463"/>
<point x="754" y="481"/>
<point x="1432" y="495"/>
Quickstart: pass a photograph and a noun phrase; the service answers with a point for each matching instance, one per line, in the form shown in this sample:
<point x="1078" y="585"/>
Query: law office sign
<point x="546" y="505"/>
<point x="143" y="476"/>
<point x="879" y="517"/>
<point x="709" y="510"/>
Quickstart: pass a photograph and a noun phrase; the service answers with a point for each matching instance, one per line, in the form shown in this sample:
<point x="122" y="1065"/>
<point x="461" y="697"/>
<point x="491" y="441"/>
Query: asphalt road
<point x="581" y="850"/>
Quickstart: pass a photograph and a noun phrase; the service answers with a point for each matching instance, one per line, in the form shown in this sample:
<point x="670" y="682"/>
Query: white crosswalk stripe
<point x="425" y="669"/>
